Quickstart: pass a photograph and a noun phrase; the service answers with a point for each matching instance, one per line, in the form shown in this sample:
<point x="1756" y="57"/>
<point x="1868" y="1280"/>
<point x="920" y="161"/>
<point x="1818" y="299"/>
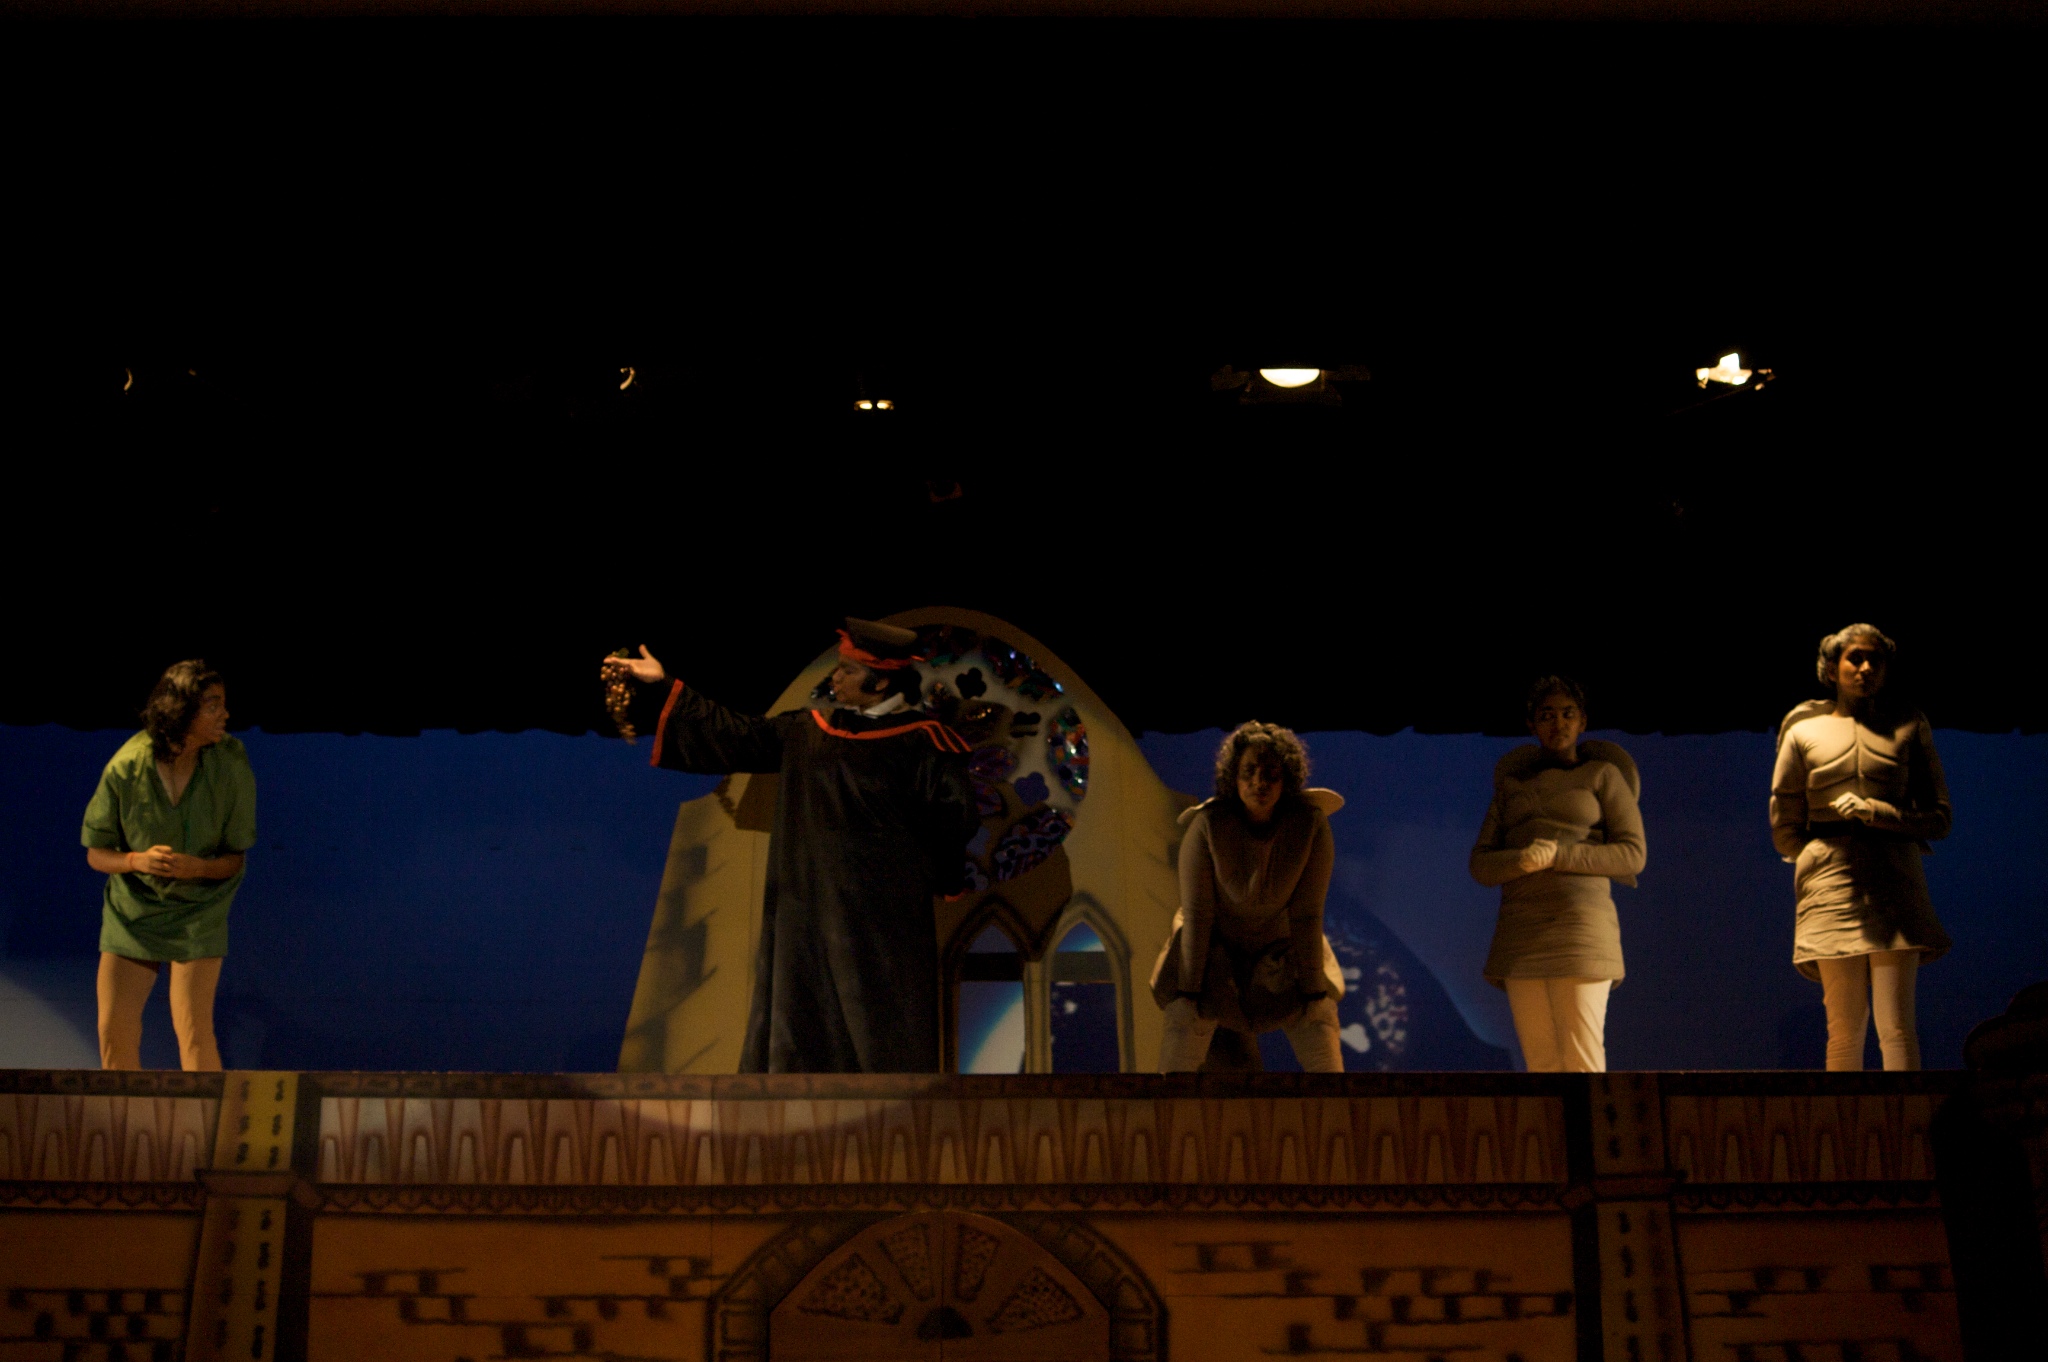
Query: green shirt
<point x="149" y="917"/>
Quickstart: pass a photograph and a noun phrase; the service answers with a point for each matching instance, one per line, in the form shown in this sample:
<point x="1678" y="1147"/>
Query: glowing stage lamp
<point x="1288" y="386"/>
<point x="1729" y="371"/>
<point x="874" y="404"/>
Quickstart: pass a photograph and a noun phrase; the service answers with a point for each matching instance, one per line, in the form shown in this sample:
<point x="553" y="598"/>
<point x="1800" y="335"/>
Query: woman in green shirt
<point x="168" y="826"/>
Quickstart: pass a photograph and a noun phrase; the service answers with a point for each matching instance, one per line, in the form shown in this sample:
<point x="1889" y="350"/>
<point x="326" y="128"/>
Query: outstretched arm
<point x="696" y="733"/>
<point x="693" y="732"/>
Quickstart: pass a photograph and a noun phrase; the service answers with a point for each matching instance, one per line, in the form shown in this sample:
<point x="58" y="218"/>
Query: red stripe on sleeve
<point x="675" y="693"/>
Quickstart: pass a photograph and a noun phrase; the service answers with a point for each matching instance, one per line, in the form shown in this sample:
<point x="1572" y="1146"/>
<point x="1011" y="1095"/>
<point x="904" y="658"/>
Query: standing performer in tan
<point x="1856" y="795"/>
<point x="1247" y="950"/>
<point x="1562" y="825"/>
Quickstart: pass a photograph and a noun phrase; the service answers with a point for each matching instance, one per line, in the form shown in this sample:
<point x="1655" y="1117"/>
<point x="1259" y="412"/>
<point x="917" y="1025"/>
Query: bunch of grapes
<point x="618" y="692"/>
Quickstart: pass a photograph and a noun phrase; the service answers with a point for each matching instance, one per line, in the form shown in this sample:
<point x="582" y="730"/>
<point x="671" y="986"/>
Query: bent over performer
<point x="871" y="814"/>
<point x="1247" y="954"/>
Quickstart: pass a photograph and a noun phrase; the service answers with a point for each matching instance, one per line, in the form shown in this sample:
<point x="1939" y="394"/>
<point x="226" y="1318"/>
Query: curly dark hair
<point x="174" y="702"/>
<point x="1543" y="687"/>
<point x="1267" y="742"/>
<point x="1834" y="645"/>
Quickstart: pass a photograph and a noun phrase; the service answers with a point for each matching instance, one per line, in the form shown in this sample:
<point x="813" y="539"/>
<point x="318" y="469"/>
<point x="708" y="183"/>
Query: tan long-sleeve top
<point x="1859" y="888"/>
<point x="1823" y="756"/>
<point x="1560" y="923"/>
<point x="1250" y="891"/>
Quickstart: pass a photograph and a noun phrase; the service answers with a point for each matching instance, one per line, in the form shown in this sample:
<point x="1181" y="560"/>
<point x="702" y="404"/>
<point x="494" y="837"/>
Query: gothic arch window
<point x="986" y="1021"/>
<point x="1067" y="1011"/>
<point x="1086" y="1001"/>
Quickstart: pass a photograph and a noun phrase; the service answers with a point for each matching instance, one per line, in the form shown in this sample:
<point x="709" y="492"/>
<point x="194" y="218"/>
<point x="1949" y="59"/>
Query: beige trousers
<point x="1851" y="988"/>
<point x="1313" y="1036"/>
<point x="1562" y="1023"/>
<point x="124" y="987"/>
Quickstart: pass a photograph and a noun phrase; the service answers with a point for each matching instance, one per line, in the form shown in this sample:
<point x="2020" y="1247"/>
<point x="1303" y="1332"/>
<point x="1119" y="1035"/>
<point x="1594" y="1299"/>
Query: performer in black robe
<point x="872" y="815"/>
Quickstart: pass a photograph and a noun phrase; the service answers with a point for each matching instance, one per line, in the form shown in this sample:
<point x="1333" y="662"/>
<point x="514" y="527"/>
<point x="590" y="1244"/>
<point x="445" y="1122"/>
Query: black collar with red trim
<point x="851" y="723"/>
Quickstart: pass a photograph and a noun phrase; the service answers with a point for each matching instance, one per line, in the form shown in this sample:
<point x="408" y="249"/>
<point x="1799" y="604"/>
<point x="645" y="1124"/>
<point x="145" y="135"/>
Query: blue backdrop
<point x="481" y="901"/>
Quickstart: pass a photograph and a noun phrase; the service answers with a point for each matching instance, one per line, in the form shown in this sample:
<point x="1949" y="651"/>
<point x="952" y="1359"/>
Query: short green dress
<point x="149" y="917"/>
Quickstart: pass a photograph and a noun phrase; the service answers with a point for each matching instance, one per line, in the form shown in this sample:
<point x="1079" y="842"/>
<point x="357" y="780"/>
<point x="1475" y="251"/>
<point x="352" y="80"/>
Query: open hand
<point x="646" y="668"/>
<point x="1540" y="854"/>
<point x="1853" y="806"/>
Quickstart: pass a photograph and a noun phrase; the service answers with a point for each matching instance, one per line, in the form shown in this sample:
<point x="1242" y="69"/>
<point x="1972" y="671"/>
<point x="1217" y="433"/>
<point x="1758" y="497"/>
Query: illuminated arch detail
<point x="737" y="1322"/>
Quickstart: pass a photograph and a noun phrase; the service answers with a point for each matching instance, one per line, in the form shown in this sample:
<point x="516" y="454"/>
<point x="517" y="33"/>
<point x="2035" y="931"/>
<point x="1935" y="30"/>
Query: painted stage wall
<point x="481" y="901"/>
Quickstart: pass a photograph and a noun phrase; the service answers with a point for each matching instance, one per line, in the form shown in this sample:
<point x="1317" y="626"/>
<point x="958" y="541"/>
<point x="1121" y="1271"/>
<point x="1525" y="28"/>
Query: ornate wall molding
<point x="739" y="1318"/>
<point x="441" y="1199"/>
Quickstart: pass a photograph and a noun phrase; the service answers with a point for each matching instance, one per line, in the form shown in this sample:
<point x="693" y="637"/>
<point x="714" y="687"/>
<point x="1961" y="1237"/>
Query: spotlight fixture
<point x="873" y="404"/>
<point x="1291" y="385"/>
<point x="1729" y="371"/>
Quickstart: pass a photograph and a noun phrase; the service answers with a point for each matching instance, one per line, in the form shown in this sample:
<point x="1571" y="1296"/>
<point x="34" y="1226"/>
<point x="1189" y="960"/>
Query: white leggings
<point x="1854" y="986"/>
<point x="1562" y="1023"/>
<point x="1313" y="1036"/>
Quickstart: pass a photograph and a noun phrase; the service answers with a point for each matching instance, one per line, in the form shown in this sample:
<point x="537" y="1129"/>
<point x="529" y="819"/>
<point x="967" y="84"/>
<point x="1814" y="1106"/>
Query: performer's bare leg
<point x="192" y="987"/>
<point x="124" y="987"/>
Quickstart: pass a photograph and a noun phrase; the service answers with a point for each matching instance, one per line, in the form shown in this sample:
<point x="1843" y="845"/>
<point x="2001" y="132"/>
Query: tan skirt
<point x="1860" y="893"/>
<point x="1554" y="925"/>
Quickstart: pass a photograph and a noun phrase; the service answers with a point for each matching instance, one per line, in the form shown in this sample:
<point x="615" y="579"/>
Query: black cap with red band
<point x="878" y="647"/>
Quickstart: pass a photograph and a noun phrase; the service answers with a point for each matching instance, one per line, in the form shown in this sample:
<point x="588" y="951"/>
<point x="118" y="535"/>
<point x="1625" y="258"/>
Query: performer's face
<point x="851" y="684"/>
<point x="210" y="724"/>
<point x="1259" y="783"/>
<point x="1557" y="723"/>
<point x="1860" y="673"/>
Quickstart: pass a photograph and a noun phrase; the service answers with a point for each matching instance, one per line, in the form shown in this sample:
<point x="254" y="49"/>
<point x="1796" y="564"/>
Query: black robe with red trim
<point x="872" y="817"/>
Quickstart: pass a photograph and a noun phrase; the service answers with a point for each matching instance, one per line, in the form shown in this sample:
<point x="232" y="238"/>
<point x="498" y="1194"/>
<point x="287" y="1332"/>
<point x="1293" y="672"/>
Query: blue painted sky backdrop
<point x="480" y="901"/>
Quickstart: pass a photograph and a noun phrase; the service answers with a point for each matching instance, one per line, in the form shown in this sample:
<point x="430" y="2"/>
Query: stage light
<point x="1729" y="371"/>
<point x="864" y="405"/>
<point x="873" y="404"/>
<point x="884" y="404"/>
<point x="1289" y="386"/>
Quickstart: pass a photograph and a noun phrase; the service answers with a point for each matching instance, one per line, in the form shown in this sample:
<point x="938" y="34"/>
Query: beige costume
<point x="1864" y="920"/>
<point x="1860" y="888"/>
<point x="1248" y="939"/>
<point x="1560" y="923"/>
<point x="1557" y="945"/>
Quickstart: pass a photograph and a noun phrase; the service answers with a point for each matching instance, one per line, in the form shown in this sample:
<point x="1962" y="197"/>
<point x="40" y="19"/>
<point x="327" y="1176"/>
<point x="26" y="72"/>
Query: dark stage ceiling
<point x="319" y="332"/>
